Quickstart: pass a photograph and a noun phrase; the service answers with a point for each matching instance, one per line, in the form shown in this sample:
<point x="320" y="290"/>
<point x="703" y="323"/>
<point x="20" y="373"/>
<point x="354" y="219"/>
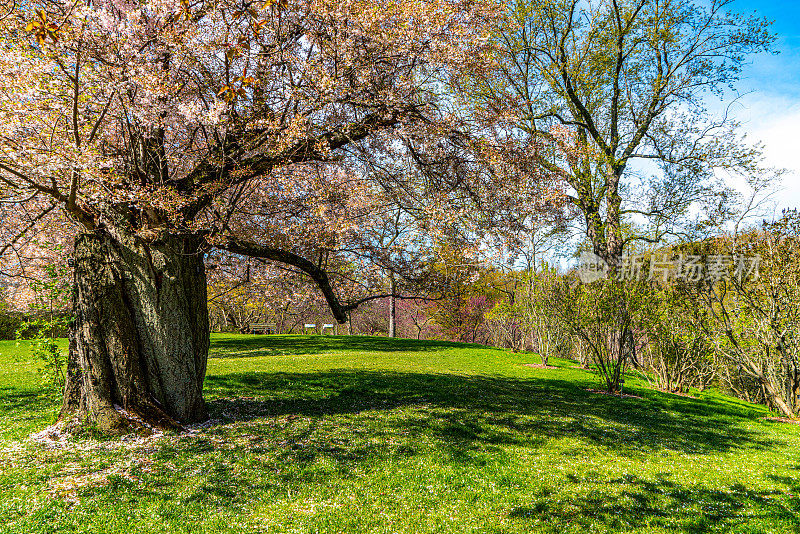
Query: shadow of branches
<point x="479" y="410"/>
<point x="631" y="502"/>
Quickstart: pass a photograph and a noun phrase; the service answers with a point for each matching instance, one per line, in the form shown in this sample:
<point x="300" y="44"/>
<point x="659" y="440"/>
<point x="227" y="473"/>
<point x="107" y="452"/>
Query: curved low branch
<point x="319" y="275"/>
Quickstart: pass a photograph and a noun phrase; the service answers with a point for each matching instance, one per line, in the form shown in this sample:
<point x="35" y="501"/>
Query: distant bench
<point x="313" y="326"/>
<point x="262" y="328"/>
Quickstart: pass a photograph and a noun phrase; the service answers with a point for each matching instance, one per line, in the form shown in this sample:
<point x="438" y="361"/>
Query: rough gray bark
<point x="139" y="341"/>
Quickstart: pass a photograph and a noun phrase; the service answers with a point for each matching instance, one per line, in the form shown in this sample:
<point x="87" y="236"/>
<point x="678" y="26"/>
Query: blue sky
<point x="770" y="106"/>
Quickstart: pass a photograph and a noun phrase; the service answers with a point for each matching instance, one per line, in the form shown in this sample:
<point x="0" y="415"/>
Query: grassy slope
<point x="341" y="434"/>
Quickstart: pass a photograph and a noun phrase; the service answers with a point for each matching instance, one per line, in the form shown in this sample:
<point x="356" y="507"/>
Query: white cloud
<point x="775" y="121"/>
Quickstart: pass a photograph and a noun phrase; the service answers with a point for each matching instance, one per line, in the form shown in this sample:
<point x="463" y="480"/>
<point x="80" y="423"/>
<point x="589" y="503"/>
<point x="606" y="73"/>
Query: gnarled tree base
<point x="139" y="341"/>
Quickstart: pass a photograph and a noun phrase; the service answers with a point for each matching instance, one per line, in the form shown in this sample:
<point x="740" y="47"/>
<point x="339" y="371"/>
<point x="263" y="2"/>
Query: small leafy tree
<point x="505" y="324"/>
<point x="465" y="297"/>
<point x="677" y="353"/>
<point x="548" y="334"/>
<point x="602" y="316"/>
<point x="525" y="318"/>
<point x="49" y="321"/>
<point x="415" y="318"/>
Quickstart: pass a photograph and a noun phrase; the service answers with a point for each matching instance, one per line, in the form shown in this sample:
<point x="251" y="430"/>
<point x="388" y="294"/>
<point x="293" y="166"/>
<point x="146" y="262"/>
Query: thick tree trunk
<point x="139" y="341"/>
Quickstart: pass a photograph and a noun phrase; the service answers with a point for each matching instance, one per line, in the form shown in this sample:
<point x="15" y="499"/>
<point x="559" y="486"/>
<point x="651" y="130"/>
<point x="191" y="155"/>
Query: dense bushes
<point x="734" y="324"/>
<point x="18" y="325"/>
<point x="10" y="321"/>
<point x="753" y="322"/>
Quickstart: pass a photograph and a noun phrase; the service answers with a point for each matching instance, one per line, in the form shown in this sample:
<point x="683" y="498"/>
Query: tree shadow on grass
<point x="12" y="399"/>
<point x="306" y="432"/>
<point x="792" y="483"/>
<point x="632" y="502"/>
<point x="273" y="345"/>
<point x="470" y="411"/>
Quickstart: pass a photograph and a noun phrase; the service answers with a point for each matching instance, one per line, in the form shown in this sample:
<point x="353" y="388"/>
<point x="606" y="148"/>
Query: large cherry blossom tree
<point x="168" y="129"/>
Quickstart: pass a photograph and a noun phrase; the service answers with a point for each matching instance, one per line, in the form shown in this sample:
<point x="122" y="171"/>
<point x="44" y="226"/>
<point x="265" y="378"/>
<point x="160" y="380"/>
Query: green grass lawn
<point x="338" y="434"/>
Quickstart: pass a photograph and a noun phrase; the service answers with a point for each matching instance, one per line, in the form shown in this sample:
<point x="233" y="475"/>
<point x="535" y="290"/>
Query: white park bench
<point x="327" y="327"/>
<point x="310" y="326"/>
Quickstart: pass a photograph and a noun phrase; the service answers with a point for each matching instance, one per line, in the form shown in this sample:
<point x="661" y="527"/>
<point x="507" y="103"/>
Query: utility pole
<point x="392" y="307"/>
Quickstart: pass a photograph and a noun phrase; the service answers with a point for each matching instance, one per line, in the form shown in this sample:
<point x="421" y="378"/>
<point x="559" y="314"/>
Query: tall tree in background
<point x="166" y="129"/>
<point x="612" y="95"/>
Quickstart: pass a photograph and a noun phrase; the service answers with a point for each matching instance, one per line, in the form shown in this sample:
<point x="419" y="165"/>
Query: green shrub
<point x="10" y="321"/>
